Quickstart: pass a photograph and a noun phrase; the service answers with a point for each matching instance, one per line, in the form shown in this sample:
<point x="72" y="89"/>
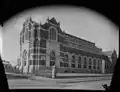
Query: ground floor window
<point x="94" y="67"/>
<point x="52" y="63"/>
<point x="79" y="65"/>
<point x="85" y="66"/>
<point x="65" y="64"/>
<point x="42" y="60"/>
<point x="61" y="64"/>
<point x="90" y="67"/>
<point x="30" y="62"/>
<point x="73" y="65"/>
<point x="98" y="67"/>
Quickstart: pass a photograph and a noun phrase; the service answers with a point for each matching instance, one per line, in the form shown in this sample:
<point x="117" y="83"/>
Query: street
<point x="76" y="83"/>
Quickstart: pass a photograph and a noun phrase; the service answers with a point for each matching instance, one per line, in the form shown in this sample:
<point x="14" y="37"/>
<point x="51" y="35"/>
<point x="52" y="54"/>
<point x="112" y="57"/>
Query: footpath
<point x="74" y="78"/>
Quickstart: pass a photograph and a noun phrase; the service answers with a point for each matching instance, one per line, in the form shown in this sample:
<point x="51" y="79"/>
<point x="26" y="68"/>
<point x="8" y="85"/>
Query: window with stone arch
<point x="73" y="58"/>
<point x="24" y="57"/>
<point x="90" y="63"/>
<point x="85" y="62"/>
<point x="79" y="60"/>
<point x="94" y="63"/>
<point x="52" y="58"/>
<point x="66" y="58"/>
<point x="52" y="33"/>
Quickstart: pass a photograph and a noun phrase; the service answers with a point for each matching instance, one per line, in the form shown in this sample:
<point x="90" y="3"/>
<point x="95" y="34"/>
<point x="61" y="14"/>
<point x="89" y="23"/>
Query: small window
<point x="52" y="34"/>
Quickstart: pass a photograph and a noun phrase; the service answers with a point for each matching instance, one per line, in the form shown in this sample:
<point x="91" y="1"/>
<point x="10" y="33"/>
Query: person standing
<point x="54" y="72"/>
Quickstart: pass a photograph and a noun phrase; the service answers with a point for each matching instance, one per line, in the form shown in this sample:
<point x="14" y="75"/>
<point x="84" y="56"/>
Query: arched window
<point x="85" y="62"/>
<point x="73" y="58"/>
<point x="94" y="63"/>
<point x="26" y="34"/>
<point x="90" y="63"/>
<point x="79" y="62"/>
<point x="52" y="34"/>
<point x="66" y="57"/>
<point x="73" y="61"/>
<point x="99" y="64"/>
<point x="52" y="58"/>
<point x="24" y="57"/>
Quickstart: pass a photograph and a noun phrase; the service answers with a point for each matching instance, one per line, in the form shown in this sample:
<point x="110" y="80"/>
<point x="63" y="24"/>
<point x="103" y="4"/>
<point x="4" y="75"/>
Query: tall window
<point x="52" y="58"/>
<point x="94" y="64"/>
<point x="24" y="57"/>
<point x="79" y="62"/>
<point x="36" y="42"/>
<point x="29" y="34"/>
<point x="73" y="61"/>
<point x="66" y="58"/>
<point x="85" y="62"/>
<point x="90" y="63"/>
<point x="52" y="34"/>
<point x="26" y="34"/>
<point x="35" y="33"/>
<point x="99" y="64"/>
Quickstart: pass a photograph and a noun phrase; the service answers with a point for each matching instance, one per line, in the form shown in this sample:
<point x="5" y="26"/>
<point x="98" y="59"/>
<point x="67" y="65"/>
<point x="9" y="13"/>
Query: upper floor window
<point x="94" y="62"/>
<point x="42" y="43"/>
<point x="43" y="34"/>
<point x="52" y="34"/>
<point x="36" y="42"/>
<point x="35" y="33"/>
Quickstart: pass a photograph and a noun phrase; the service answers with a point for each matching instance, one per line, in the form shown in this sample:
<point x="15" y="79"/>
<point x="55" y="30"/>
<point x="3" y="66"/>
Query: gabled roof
<point x="53" y="21"/>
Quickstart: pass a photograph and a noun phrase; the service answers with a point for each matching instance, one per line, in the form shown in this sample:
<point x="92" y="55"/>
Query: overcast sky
<point x="82" y="23"/>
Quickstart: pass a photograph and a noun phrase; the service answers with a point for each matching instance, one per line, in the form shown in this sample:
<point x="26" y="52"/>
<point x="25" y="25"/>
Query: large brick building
<point x="45" y="45"/>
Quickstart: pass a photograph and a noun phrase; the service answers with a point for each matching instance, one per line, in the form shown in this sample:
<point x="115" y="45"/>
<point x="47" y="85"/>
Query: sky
<point x="83" y="23"/>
